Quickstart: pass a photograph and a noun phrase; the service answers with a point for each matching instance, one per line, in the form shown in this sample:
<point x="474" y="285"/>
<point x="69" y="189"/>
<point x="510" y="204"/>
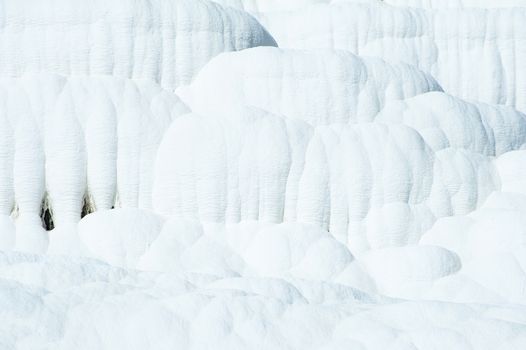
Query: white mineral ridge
<point x="78" y="142"/>
<point x="445" y="121"/>
<point x="302" y="197"/>
<point x="120" y="236"/>
<point x="257" y="7"/>
<point x="317" y="86"/>
<point x="490" y="243"/>
<point x="473" y="53"/>
<point x="438" y="4"/>
<point x="288" y="83"/>
<point x="222" y="291"/>
<point x="166" y="41"/>
<point x="371" y="185"/>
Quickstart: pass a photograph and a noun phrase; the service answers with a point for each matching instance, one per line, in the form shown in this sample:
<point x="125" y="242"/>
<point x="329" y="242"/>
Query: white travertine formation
<point x="166" y="41"/>
<point x="319" y="87"/>
<point x="473" y="53"/>
<point x="490" y="242"/>
<point x="88" y="304"/>
<point x="445" y="121"/>
<point x="257" y="7"/>
<point x="73" y="140"/>
<point x="306" y="198"/>
<point x="440" y="4"/>
<point x="371" y="185"/>
<point x="120" y="236"/>
<point x="287" y="82"/>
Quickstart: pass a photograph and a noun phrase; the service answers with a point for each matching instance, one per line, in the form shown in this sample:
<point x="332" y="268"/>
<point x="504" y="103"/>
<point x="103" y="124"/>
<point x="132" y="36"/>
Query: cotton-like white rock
<point x="371" y="185"/>
<point x="74" y="143"/>
<point x="489" y="241"/>
<point x="7" y="233"/>
<point x="318" y="87"/>
<point x="306" y="198"/>
<point x="294" y="5"/>
<point x="438" y="4"/>
<point x="512" y="171"/>
<point x="88" y="304"/>
<point x="403" y="271"/>
<point x="163" y="41"/>
<point x="31" y="236"/>
<point x="256" y="7"/>
<point x="445" y="121"/>
<point x="247" y="248"/>
<point x="358" y="90"/>
<point x="226" y="171"/>
<point x="471" y="52"/>
<point x="119" y="237"/>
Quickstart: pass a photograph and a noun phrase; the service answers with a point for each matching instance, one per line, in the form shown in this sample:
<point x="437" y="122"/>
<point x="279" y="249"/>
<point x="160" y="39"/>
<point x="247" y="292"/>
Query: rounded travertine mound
<point x="491" y="243"/>
<point x="473" y="53"/>
<point x="7" y="232"/>
<point x="257" y="7"/>
<point x="324" y="87"/>
<point x="166" y="41"/>
<point x="261" y="6"/>
<point x="438" y="4"/>
<point x="403" y="271"/>
<point x="216" y="170"/>
<point x="78" y="144"/>
<point x="512" y="172"/>
<point x="250" y="249"/>
<point x="445" y="121"/>
<point x="121" y="236"/>
<point x="318" y="87"/>
<point x="91" y="305"/>
<point x="371" y="185"/>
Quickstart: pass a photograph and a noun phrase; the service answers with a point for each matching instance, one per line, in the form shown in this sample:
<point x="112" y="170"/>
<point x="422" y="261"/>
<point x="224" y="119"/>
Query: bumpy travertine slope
<point x="302" y="198"/>
<point x="260" y="7"/>
<point x="300" y="156"/>
<point x="319" y="87"/>
<point x="437" y="4"/>
<point x="257" y="7"/>
<point x="370" y="185"/>
<point x="166" y="41"/>
<point x="489" y="241"/>
<point x="323" y="87"/>
<point x="473" y="53"/>
<point x="74" y="140"/>
<point x="445" y="121"/>
<point x="86" y="304"/>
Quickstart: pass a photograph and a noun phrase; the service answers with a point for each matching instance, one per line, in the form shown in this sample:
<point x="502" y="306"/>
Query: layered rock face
<point x="166" y="41"/>
<point x="467" y="50"/>
<point x="169" y="178"/>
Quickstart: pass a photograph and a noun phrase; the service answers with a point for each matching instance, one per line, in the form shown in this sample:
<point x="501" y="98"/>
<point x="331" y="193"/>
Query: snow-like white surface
<point x="372" y="184"/>
<point x="65" y="303"/>
<point x="473" y="53"/>
<point x="71" y="141"/>
<point x="166" y="41"/>
<point x="438" y="4"/>
<point x="254" y="285"/>
<point x="445" y="121"/>
<point x="304" y="198"/>
<point x="317" y="86"/>
<point x="259" y="7"/>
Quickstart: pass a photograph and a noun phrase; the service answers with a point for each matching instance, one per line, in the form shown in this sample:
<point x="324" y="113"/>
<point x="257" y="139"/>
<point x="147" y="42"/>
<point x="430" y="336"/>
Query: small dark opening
<point x="87" y="207"/>
<point x="47" y="218"/>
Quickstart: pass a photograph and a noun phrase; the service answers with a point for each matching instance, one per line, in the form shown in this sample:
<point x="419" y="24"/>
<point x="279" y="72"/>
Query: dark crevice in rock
<point x="46" y="214"/>
<point x="88" y="206"/>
